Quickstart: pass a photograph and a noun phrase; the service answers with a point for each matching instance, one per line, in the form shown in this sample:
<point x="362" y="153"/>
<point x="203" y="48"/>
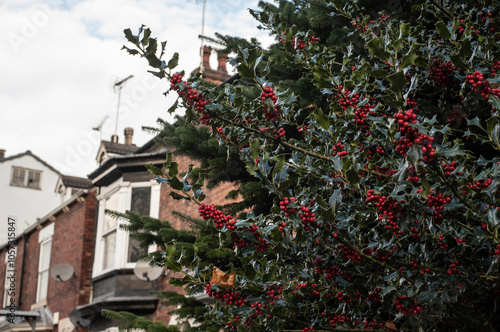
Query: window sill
<point x="39" y="305"/>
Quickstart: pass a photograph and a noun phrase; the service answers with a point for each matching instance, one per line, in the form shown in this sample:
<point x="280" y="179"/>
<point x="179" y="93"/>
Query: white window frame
<point x="27" y="172"/>
<point x="124" y="190"/>
<point x="44" y="238"/>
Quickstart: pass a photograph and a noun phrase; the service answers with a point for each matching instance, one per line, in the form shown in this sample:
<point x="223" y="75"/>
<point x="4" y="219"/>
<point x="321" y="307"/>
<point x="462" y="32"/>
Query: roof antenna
<point x="119" y="85"/>
<point x="99" y="127"/>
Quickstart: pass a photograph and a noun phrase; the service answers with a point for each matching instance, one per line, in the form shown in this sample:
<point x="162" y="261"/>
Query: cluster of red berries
<point x="453" y="269"/>
<point x="273" y="292"/>
<point x="360" y="115"/>
<point x="279" y="133"/>
<point x="374" y="296"/>
<point x="304" y="129"/>
<point x="284" y="206"/>
<point x="348" y="254"/>
<point x="192" y="97"/>
<point x="481" y="85"/>
<point x="346" y="98"/>
<point x="305" y="329"/>
<point x="260" y="243"/>
<point x="306" y="216"/>
<point x="442" y="73"/>
<point x="497" y="251"/>
<point x="436" y="202"/>
<point x="494" y="68"/>
<point x="442" y="245"/>
<point x="449" y="168"/>
<point x="371" y="325"/>
<point x="410" y="135"/>
<point x="389" y="208"/>
<point x="409" y="308"/>
<point x="480" y="185"/>
<point x="338" y="150"/>
<point x="338" y="318"/>
<point x="330" y="271"/>
<point x="268" y="92"/>
<point x="380" y="255"/>
<point x="226" y="296"/>
<point x="220" y="220"/>
<point x="413" y="177"/>
<point x="233" y="325"/>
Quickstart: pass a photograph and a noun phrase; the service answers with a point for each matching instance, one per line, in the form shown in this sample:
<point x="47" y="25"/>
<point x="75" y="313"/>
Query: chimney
<point x="222" y="58"/>
<point x="2" y="153"/>
<point x="129" y="132"/>
<point x="206" y="57"/>
<point x="114" y="138"/>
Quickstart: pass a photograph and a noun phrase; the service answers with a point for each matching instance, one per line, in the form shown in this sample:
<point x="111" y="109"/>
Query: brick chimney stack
<point x="222" y="59"/>
<point x="129" y="132"/>
<point x="2" y="153"/>
<point x="114" y="138"/>
<point x="206" y="57"/>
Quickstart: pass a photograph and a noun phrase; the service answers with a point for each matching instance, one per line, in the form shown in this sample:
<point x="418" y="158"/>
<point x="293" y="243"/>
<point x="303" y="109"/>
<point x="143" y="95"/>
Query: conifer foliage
<point x="385" y="210"/>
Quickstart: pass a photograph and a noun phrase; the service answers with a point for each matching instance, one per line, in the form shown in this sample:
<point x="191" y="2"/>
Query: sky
<point x="61" y="58"/>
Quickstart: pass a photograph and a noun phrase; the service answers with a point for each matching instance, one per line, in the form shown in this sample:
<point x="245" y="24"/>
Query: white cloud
<point x="60" y="60"/>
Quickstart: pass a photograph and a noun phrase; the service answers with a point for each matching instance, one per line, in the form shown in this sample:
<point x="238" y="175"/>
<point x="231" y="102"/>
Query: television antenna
<point x="99" y="127"/>
<point x="119" y="85"/>
<point x="146" y="272"/>
<point x="62" y="272"/>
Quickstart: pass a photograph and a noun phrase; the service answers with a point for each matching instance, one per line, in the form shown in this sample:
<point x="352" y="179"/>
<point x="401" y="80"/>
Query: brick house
<point x="75" y="231"/>
<point x="63" y="236"/>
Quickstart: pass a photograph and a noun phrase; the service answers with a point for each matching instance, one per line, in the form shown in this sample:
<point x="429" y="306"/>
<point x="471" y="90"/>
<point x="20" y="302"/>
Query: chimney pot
<point x="222" y="59"/>
<point x="114" y="138"/>
<point x="206" y="57"/>
<point x="2" y="153"/>
<point x="129" y="132"/>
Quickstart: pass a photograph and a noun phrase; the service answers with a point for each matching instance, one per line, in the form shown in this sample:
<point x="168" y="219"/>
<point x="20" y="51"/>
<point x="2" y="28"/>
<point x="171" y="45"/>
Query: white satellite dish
<point x="78" y="320"/>
<point x="146" y="272"/>
<point x="62" y="272"/>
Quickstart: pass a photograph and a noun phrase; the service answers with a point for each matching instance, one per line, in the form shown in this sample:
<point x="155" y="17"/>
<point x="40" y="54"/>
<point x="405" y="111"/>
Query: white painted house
<point x="27" y="191"/>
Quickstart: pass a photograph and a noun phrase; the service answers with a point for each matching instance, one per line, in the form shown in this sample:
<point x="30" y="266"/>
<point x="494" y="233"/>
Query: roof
<point x="29" y="153"/>
<point x="118" y="148"/>
<point x="114" y="167"/>
<point x="76" y="182"/>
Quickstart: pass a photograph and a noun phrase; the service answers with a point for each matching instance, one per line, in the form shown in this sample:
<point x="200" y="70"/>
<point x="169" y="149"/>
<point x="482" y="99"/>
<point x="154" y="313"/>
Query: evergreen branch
<point x="444" y="10"/>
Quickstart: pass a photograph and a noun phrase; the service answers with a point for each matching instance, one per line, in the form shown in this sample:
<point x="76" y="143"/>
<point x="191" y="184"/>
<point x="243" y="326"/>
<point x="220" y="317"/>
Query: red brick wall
<point x="72" y="243"/>
<point x="169" y="204"/>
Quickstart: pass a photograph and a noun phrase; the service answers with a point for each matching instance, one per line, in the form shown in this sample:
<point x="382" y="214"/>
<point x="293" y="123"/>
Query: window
<point x="109" y="233"/>
<point x="45" y="240"/>
<point x="140" y="203"/>
<point x="43" y="270"/>
<point x="22" y="177"/>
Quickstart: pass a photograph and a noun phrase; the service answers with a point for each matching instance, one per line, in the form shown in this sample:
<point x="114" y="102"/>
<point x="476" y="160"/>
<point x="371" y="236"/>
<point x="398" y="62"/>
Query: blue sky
<point x="60" y="60"/>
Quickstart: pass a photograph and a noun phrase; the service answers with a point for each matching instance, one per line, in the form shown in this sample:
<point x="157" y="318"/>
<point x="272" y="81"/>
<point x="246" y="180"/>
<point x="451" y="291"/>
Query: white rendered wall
<point x="25" y="204"/>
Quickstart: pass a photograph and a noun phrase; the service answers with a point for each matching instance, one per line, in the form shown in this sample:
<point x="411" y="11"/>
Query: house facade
<point x="27" y="190"/>
<point x="68" y="259"/>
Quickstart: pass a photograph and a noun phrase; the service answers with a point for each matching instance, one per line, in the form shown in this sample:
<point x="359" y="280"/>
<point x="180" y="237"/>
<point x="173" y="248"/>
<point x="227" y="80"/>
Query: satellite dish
<point x="80" y="320"/>
<point x="146" y="272"/>
<point x="62" y="272"/>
